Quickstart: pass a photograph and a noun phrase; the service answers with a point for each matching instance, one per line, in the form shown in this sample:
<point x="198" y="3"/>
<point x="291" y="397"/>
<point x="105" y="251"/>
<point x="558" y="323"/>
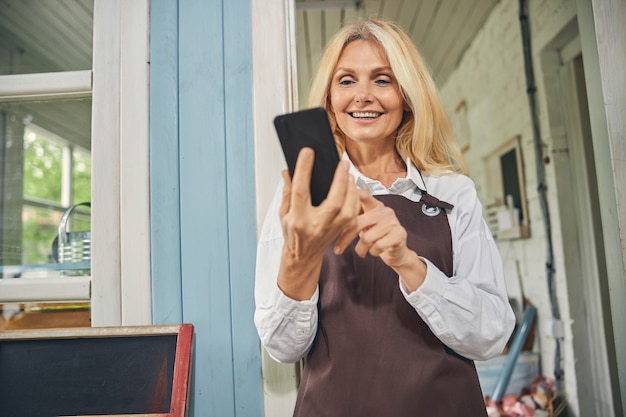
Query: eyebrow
<point x="375" y="70"/>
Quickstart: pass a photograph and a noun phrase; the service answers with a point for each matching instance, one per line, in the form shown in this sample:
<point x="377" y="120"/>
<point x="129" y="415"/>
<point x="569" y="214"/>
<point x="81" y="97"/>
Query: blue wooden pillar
<point x="203" y="217"/>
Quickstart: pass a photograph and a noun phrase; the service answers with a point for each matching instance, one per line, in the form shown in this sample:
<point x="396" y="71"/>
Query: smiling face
<point x="365" y="96"/>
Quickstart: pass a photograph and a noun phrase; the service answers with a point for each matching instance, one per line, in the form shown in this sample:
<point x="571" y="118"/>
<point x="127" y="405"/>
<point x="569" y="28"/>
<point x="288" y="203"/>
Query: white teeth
<point x="366" y="115"/>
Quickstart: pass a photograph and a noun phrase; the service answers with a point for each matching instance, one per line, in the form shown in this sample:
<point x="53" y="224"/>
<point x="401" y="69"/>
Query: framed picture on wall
<point x="507" y="210"/>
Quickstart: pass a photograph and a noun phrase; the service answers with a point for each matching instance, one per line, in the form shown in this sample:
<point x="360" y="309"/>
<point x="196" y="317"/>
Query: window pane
<point x="39" y="231"/>
<point x="43" y="167"/>
<point x="81" y="176"/>
<point x="45" y="36"/>
<point x="46" y="162"/>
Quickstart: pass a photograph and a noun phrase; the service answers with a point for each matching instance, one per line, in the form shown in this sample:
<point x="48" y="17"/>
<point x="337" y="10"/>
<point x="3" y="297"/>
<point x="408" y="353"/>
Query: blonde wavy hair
<point x="425" y="134"/>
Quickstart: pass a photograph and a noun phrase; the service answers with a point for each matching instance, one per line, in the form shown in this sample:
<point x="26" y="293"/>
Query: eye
<point x="346" y="81"/>
<point x="382" y="80"/>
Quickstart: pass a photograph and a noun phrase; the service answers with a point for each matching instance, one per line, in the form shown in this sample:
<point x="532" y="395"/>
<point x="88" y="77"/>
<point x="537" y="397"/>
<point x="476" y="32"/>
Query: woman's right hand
<point x="309" y="230"/>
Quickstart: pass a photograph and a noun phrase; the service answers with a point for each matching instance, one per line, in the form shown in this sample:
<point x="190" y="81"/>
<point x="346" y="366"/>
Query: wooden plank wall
<point x="202" y="202"/>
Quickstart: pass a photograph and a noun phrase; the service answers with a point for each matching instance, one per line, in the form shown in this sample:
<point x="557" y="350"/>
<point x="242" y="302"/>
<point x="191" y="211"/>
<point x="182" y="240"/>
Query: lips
<point x="364" y="114"/>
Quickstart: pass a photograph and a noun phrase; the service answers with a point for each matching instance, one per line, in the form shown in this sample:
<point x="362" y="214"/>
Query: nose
<point x="363" y="96"/>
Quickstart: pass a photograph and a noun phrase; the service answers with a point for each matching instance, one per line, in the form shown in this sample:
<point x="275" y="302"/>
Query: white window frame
<point x="120" y="265"/>
<point x="119" y="286"/>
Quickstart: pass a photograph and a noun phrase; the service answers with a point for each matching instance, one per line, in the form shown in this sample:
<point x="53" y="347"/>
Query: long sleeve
<point x="286" y="327"/>
<point x="469" y="311"/>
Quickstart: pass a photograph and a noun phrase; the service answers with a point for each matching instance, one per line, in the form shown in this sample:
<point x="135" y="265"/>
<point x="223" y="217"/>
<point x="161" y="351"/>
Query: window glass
<point x="46" y="186"/>
<point x="43" y="167"/>
<point x="45" y="36"/>
<point x="81" y="175"/>
<point x="39" y="232"/>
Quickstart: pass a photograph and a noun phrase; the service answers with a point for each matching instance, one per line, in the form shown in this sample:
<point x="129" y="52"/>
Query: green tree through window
<point x="43" y="188"/>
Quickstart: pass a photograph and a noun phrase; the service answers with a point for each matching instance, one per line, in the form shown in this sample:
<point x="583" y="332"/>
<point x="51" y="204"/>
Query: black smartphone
<point x="309" y="128"/>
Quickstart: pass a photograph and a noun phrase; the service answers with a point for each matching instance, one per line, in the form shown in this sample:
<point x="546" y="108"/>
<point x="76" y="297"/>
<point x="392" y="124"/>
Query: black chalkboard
<point x="104" y="371"/>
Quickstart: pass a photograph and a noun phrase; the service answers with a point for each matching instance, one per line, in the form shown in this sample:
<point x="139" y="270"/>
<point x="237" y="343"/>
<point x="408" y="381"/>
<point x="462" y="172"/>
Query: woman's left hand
<point x="381" y="234"/>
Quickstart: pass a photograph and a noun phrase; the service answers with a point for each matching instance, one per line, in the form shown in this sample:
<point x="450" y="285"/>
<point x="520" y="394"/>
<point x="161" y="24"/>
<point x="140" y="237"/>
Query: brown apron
<point x="373" y="355"/>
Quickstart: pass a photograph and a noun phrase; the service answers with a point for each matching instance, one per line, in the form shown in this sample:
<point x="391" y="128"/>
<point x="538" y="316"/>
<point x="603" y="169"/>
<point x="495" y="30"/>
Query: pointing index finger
<point x="368" y="201"/>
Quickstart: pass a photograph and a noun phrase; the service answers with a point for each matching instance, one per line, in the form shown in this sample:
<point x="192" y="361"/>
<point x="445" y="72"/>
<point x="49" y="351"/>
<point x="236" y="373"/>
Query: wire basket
<point x="73" y="246"/>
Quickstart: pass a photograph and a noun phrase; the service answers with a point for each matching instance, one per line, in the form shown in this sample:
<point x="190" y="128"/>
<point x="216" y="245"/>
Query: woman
<point x="393" y="285"/>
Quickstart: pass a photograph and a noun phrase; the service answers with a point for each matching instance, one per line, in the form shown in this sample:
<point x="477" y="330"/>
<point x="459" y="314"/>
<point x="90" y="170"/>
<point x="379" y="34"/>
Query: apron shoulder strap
<point x="432" y="201"/>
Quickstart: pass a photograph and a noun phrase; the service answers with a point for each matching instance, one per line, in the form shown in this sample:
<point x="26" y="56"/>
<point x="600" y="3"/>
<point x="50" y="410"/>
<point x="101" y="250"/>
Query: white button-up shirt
<point x="469" y="312"/>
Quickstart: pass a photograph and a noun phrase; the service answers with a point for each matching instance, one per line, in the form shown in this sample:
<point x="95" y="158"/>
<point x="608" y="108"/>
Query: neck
<point x="380" y="164"/>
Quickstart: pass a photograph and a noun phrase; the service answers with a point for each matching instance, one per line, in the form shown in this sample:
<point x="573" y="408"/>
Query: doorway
<point x="581" y="233"/>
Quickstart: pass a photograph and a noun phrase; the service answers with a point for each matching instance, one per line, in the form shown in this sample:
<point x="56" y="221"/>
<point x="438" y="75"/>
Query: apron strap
<point x="432" y="201"/>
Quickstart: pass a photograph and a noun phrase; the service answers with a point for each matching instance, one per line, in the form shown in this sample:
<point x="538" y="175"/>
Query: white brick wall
<point x="491" y="80"/>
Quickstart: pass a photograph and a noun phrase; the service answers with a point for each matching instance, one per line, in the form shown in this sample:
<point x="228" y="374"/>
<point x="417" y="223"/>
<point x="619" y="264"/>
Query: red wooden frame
<point x="182" y="362"/>
<point x="182" y="372"/>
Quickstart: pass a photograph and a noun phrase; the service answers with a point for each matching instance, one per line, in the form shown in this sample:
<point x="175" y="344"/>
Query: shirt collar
<point x="412" y="179"/>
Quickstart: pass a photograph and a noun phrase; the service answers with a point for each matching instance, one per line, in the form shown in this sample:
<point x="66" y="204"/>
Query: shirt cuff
<point x="291" y="308"/>
<point x="428" y="297"/>
<point x="432" y="288"/>
<point x="303" y="314"/>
